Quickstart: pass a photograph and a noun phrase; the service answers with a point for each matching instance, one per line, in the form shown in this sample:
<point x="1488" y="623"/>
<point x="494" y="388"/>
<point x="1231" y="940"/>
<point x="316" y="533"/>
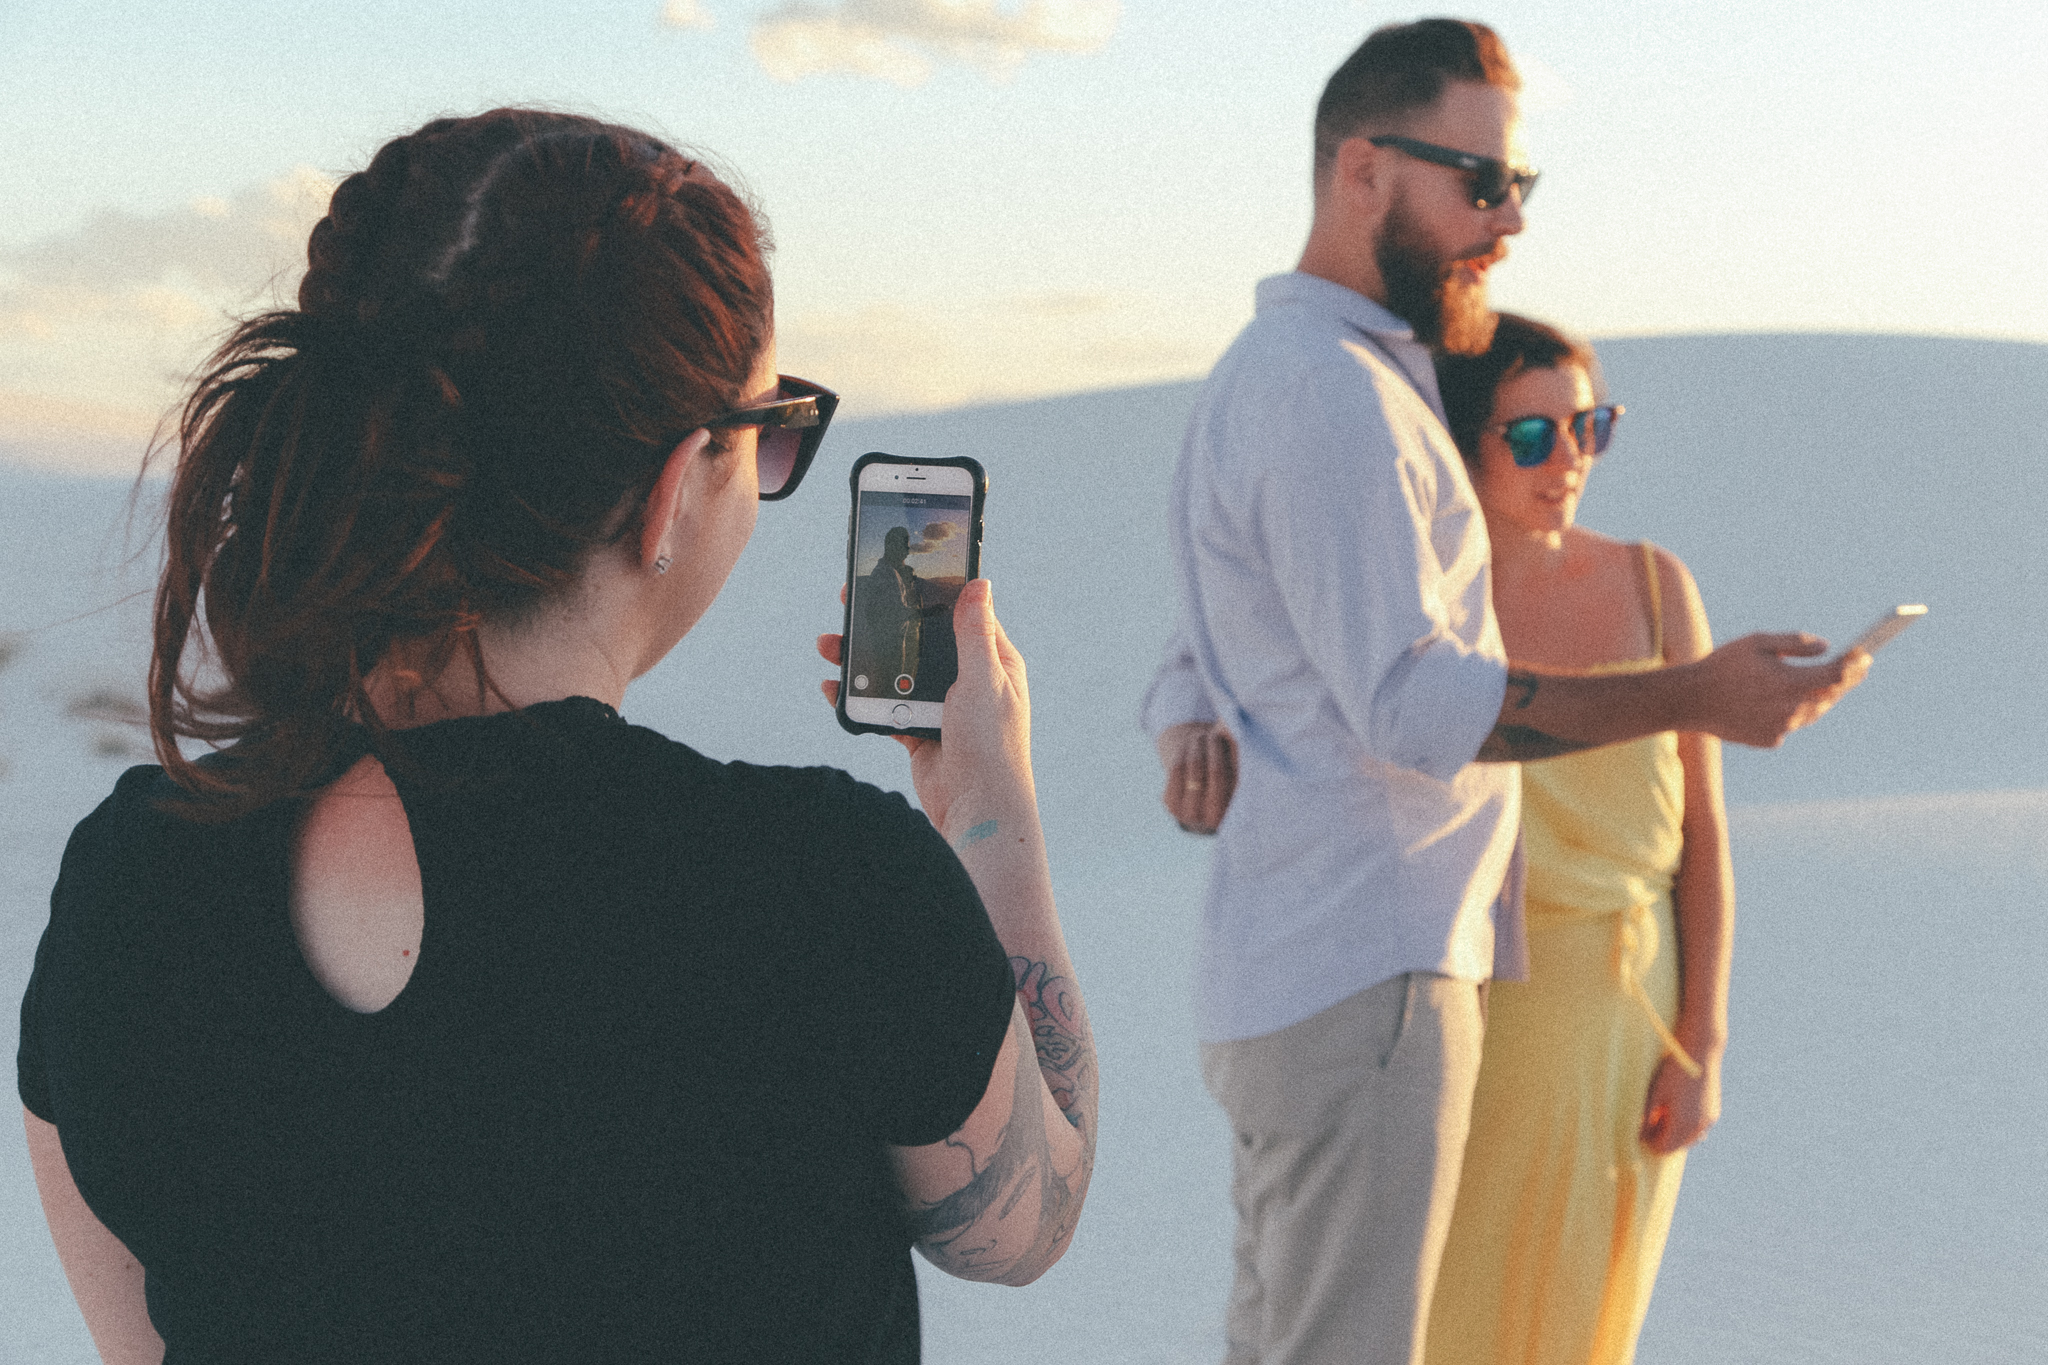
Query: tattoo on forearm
<point x="964" y="1231"/>
<point x="1059" y="1032"/>
<point x="985" y="830"/>
<point x="989" y="1179"/>
<point x="1021" y="1155"/>
<point x="1522" y="689"/>
<point x="1525" y="744"/>
<point x="1066" y="1060"/>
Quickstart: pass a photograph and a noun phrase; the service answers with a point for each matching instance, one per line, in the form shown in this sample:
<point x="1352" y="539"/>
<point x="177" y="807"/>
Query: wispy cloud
<point x="687" y="14"/>
<point x="100" y="325"/>
<point x="900" y="41"/>
<point x="70" y="436"/>
<point x="208" y="249"/>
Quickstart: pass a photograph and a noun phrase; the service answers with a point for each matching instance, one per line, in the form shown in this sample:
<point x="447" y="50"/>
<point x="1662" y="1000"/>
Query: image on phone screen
<point x="910" y="561"/>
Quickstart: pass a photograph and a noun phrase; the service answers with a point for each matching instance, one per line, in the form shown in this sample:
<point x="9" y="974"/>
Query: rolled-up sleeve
<point x="1176" y="695"/>
<point x="1356" y="514"/>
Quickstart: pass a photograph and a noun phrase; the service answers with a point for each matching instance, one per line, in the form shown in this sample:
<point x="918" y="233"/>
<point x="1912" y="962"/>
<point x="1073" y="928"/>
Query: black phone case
<point x="972" y="466"/>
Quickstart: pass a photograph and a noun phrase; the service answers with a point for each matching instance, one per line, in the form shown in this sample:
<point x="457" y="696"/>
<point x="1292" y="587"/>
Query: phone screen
<point x="912" y="535"/>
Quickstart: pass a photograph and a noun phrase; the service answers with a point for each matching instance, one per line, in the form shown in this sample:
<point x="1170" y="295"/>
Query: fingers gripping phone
<point x="1887" y="626"/>
<point x="913" y="540"/>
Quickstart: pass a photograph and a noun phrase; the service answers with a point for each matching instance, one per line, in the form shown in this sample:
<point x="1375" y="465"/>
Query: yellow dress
<point x="1562" y="1212"/>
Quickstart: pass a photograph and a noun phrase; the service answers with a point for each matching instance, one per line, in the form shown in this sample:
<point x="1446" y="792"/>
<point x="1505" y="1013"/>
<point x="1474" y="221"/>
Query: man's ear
<point x="1362" y="172"/>
<point x="665" y="500"/>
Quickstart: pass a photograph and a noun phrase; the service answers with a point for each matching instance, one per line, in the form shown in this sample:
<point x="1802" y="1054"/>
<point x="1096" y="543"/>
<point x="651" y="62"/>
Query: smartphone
<point x="1888" y="625"/>
<point x="913" y="540"/>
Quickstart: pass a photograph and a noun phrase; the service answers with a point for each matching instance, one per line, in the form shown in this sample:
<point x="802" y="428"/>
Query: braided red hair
<point x="503" y="321"/>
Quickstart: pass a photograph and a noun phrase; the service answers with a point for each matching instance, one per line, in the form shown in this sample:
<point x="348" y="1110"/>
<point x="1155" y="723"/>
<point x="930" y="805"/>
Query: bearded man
<point x="1337" y="662"/>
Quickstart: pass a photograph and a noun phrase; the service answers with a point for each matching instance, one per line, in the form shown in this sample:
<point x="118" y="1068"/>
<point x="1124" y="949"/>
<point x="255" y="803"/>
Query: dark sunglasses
<point x="1532" y="439"/>
<point x="1491" y="180"/>
<point x="791" y="429"/>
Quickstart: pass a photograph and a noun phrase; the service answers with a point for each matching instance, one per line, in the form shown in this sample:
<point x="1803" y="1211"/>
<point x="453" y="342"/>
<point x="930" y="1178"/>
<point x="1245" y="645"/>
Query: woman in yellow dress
<point x="1600" y="1070"/>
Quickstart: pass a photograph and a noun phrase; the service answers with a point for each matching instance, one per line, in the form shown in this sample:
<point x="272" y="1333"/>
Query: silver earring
<point x="661" y="565"/>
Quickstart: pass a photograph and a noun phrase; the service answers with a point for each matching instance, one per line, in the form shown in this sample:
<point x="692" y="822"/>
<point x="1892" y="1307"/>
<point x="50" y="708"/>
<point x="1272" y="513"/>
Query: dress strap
<point x="1656" y="600"/>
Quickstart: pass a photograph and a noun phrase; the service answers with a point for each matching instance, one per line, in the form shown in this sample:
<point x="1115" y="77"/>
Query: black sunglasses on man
<point x="1490" y="179"/>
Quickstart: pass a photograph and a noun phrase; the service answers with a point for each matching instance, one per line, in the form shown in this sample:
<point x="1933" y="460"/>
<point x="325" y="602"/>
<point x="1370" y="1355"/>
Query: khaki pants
<point x="1350" y="1130"/>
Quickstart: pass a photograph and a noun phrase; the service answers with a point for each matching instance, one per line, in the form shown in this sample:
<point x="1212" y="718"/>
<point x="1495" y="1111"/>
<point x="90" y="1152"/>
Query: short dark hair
<point x="1469" y="382"/>
<point x="1404" y="67"/>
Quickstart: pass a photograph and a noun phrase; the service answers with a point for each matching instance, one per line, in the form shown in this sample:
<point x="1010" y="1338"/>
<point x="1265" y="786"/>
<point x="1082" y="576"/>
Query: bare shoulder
<point x="1602" y="558"/>
<point x="1686" y="633"/>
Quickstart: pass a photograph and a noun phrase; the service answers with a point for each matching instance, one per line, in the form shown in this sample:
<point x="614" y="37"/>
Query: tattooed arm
<point x="1514" y="741"/>
<point x="1744" y="691"/>
<point x="998" y="1200"/>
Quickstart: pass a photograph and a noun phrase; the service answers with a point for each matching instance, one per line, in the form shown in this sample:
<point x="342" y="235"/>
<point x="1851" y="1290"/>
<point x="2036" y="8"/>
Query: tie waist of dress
<point x="1636" y="940"/>
<point x="1635" y="937"/>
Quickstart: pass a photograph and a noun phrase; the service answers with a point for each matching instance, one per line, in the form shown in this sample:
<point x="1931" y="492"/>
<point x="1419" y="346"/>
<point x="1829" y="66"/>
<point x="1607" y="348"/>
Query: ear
<point x="1362" y="173"/>
<point x="665" y="500"/>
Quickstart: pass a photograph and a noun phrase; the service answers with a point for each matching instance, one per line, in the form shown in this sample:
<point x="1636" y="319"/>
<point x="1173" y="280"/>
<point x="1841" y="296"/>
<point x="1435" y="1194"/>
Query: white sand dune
<point x="1874" y="1193"/>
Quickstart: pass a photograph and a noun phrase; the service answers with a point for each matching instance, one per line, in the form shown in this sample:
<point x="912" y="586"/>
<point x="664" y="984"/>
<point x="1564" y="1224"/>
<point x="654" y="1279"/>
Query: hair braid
<point x="505" y="324"/>
<point x="345" y="240"/>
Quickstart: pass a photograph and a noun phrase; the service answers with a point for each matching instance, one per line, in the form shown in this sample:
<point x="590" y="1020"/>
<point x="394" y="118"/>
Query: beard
<point x="1447" y="308"/>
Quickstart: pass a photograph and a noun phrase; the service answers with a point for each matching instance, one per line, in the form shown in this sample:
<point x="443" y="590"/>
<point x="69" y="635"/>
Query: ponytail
<point x="503" y="323"/>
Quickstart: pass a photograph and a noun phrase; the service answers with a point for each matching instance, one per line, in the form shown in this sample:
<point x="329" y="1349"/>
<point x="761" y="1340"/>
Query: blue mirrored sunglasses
<point x="1532" y="439"/>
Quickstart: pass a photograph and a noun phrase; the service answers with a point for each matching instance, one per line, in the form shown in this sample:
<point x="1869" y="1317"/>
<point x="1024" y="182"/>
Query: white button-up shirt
<point x="1335" y="615"/>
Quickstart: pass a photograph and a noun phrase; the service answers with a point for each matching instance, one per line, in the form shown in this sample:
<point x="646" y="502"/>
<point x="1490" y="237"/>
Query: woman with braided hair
<point x="439" y="1014"/>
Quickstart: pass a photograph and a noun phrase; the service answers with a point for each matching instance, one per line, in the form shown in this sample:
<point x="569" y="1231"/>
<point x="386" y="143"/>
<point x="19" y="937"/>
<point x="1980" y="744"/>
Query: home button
<point x="900" y="713"/>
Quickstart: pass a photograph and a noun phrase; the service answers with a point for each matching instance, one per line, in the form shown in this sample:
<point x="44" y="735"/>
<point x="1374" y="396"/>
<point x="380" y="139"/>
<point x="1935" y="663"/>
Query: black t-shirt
<point x="632" y="1105"/>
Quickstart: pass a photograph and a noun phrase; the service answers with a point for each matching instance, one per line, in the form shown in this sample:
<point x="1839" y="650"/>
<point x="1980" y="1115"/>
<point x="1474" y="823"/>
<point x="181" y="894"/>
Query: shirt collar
<point x="1297" y="289"/>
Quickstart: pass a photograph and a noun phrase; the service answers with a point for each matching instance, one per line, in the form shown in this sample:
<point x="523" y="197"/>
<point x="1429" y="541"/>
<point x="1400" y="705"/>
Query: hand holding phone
<point x="913" y="542"/>
<point x="1886" y="627"/>
<point x="987" y="749"/>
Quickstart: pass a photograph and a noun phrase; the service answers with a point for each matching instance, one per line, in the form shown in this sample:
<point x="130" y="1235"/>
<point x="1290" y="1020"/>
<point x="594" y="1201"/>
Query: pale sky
<point x="992" y="199"/>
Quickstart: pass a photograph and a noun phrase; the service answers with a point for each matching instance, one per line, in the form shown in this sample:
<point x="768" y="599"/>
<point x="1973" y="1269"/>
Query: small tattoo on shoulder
<point x="1523" y="686"/>
<point x="985" y="830"/>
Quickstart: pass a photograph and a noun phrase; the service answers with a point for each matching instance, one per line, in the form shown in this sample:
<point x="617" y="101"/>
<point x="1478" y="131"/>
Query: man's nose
<point x="1507" y="214"/>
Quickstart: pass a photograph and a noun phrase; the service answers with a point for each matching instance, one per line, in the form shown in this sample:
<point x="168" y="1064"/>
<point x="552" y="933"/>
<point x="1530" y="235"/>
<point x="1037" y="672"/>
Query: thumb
<point x="1793" y="644"/>
<point x="974" y="627"/>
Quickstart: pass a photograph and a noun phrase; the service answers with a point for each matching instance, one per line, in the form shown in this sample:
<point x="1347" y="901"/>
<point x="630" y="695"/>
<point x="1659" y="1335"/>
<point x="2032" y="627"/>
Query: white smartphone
<point x="913" y="541"/>
<point x="1887" y="626"/>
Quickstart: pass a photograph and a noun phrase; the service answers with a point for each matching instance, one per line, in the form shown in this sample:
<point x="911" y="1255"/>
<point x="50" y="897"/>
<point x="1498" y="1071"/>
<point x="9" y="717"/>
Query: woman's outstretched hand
<point x="985" y="749"/>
